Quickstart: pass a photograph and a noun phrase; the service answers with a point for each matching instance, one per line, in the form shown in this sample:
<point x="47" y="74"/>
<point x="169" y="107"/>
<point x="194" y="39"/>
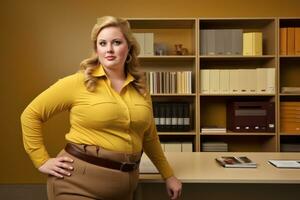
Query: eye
<point x="117" y="42"/>
<point x="102" y="43"/>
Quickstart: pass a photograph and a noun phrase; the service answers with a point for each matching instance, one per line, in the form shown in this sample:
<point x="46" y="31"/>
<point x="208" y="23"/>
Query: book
<point x="236" y="162"/>
<point x="283" y="41"/>
<point x="285" y="163"/>
<point x="291" y="41"/>
<point x="290" y="89"/>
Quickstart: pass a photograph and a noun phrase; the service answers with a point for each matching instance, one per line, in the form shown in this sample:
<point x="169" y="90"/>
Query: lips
<point x="110" y="57"/>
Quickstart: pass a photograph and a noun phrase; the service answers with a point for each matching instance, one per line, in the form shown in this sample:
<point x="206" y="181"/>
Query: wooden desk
<point x="203" y="178"/>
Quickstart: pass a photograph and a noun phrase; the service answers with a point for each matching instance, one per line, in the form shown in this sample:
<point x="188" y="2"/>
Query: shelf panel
<point x="161" y="23"/>
<point x="291" y="134"/>
<point x="289" y="56"/>
<point x="176" y="133"/>
<point x="229" y="95"/>
<point x="236" y="57"/>
<point x="179" y="95"/>
<point x="249" y="23"/>
<point x="239" y="134"/>
<point x="290" y="94"/>
<point x="167" y="58"/>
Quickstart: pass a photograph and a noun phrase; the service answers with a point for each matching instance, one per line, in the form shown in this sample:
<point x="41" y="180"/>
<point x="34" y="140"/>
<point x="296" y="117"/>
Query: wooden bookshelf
<point x="288" y="75"/>
<point x="168" y="32"/>
<point x="210" y="109"/>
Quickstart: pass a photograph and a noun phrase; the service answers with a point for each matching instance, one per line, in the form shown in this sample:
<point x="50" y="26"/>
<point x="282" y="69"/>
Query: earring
<point x="129" y="58"/>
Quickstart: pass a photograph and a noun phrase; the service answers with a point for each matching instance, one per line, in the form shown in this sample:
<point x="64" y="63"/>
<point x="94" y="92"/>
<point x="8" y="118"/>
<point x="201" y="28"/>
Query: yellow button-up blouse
<point x="120" y="122"/>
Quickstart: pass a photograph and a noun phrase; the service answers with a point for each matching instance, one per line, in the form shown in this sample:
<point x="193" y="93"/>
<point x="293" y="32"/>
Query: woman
<point x="111" y="123"/>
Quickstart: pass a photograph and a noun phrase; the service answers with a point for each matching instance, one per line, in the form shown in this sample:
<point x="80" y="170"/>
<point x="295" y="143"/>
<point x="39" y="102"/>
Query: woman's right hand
<point x="58" y="167"/>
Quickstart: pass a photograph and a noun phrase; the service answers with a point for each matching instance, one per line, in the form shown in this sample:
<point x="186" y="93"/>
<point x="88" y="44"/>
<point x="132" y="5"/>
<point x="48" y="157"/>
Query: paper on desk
<point x="146" y="166"/>
<point x="285" y="163"/>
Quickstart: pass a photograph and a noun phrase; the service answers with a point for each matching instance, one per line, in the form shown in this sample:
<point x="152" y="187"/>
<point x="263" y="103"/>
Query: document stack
<point x="213" y="130"/>
<point x="214" y="147"/>
<point x="238" y="81"/>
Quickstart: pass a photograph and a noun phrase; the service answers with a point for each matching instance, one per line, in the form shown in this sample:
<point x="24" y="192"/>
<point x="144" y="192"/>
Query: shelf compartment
<point x="265" y="25"/>
<point x="240" y="134"/>
<point x="244" y="143"/>
<point x="166" y="31"/>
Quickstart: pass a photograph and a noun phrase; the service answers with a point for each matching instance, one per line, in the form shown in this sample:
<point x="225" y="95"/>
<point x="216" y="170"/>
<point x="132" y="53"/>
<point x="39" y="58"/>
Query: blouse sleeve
<point x="57" y="98"/>
<point x="153" y="150"/>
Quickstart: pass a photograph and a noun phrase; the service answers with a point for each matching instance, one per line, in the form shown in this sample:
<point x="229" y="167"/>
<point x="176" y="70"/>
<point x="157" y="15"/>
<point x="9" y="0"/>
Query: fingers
<point x="65" y="159"/>
<point x="174" y="194"/>
<point x="64" y="166"/>
<point x="62" y="171"/>
<point x="58" y="167"/>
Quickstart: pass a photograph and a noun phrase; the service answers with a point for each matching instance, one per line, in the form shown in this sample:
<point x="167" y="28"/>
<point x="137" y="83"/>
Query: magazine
<point x="286" y="163"/>
<point x="236" y="162"/>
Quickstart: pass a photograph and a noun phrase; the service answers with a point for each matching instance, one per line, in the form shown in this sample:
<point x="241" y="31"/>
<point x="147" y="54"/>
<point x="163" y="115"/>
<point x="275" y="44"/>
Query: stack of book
<point x="221" y="42"/>
<point x="172" y="116"/>
<point x="238" y="81"/>
<point x="170" y="82"/>
<point x="290" y="41"/>
<point x="236" y="162"/>
<point x="289" y="117"/>
<point x="290" y="90"/>
<point x="213" y="130"/>
<point x="252" y="44"/>
<point x="214" y="146"/>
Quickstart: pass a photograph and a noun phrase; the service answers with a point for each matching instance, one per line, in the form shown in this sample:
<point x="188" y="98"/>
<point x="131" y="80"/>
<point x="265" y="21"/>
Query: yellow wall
<point x="42" y="41"/>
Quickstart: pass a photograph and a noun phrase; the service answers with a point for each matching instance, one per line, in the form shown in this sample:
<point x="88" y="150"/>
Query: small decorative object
<point x="180" y="50"/>
<point x="160" y="49"/>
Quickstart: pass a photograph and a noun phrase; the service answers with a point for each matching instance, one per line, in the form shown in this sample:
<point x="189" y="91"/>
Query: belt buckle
<point x="127" y="167"/>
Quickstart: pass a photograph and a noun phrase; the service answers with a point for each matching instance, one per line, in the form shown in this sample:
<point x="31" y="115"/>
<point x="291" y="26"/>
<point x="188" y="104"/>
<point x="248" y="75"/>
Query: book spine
<point x="283" y="41"/>
<point x="149" y="44"/>
<point x="257" y="48"/>
<point x="203" y="42"/>
<point x="211" y="42"/>
<point x="247" y="44"/>
<point x="297" y="40"/>
<point x="290" y="41"/>
<point x="140" y="37"/>
<point x="219" y="42"/>
<point x="204" y="81"/>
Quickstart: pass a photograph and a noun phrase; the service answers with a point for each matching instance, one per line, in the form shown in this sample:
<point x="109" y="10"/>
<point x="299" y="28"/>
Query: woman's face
<point x="112" y="48"/>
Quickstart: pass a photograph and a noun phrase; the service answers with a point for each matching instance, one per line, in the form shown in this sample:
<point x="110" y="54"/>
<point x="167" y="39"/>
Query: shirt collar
<point x="99" y="72"/>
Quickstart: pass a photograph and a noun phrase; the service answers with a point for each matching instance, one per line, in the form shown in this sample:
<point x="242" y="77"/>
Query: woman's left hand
<point x="173" y="187"/>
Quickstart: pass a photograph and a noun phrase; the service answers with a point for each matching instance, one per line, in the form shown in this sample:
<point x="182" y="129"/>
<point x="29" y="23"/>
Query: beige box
<point x="214" y="81"/>
<point x="271" y="80"/>
<point x="204" y="81"/>
<point x="257" y="40"/>
<point x="234" y="81"/>
<point x="224" y="81"/>
<point x="140" y="37"/>
<point x="172" y="147"/>
<point x="261" y="80"/>
<point x="148" y="44"/>
<point x="186" y="147"/>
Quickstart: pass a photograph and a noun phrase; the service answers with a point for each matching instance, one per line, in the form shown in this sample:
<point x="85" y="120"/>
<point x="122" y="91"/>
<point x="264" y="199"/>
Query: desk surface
<point x="201" y="167"/>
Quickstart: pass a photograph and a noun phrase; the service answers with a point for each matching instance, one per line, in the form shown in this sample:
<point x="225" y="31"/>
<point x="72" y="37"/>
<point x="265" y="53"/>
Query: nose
<point x="109" y="48"/>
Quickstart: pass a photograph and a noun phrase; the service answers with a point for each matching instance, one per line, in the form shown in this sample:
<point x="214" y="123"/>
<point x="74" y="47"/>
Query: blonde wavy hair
<point x="131" y="65"/>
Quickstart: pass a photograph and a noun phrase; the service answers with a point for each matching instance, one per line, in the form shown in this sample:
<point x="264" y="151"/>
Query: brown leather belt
<point x="124" y="167"/>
